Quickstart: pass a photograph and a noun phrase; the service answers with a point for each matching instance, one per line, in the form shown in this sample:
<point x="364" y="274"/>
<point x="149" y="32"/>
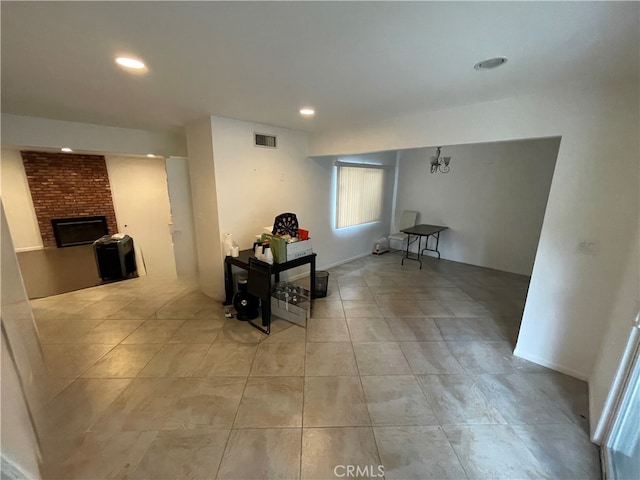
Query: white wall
<point x="18" y="444"/>
<point x="255" y="184"/>
<point x="251" y="185"/>
<point x="37" y="133"/>
<point x="619" y="322"/>
<point x="21" y="214"/>
<point x="493" y="199"/>
<point x="141" y="203"/>
<point x="593" y="198"/>
<point x="205" y="207"/>
<point x="23" y="373"/>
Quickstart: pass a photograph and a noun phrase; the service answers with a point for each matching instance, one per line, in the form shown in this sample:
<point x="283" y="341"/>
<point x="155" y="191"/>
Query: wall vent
<point x="263" y="140"/>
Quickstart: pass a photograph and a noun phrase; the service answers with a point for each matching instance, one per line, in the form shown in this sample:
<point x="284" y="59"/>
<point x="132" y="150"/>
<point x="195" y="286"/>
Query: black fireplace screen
<point x="79" y="230"/>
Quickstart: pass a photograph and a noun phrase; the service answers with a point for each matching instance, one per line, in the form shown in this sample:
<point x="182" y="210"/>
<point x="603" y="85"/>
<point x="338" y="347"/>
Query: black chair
<point x="258" y="281"/>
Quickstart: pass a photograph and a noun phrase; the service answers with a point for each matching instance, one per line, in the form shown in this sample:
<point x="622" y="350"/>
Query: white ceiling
<point x="354" y="62"/>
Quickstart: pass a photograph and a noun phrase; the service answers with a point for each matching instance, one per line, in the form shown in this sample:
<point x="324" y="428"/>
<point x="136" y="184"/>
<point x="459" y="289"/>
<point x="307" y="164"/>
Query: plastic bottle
<point x="268" y="255"/>
<point x="228" y="244"/>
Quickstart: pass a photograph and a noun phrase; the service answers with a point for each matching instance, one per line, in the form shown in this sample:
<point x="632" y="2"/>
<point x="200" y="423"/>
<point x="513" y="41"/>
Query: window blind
<point x="359" y="195"/>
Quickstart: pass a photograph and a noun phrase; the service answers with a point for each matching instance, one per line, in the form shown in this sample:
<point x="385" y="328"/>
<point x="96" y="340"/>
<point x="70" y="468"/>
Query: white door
<point x="182" y="228"/>
<point x="141" y="202"/>
<point x="621" y="449"/>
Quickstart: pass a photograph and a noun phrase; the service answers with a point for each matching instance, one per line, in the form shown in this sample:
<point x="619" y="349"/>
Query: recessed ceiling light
<point x="150" y="155"/>
<point x="131" y="63"/>
<point x="66" y="149"/>
<point x="490" y="63"/>
<point x="307" y="112"/>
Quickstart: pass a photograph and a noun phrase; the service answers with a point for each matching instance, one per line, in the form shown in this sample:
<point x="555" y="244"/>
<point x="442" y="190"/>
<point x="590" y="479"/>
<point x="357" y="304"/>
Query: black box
<point x="115" y="257"/>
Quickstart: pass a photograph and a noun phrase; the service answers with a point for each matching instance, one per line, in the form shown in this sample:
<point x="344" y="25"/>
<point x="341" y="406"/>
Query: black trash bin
<point x="322" y="282"/>
<point x="115" y="257"/>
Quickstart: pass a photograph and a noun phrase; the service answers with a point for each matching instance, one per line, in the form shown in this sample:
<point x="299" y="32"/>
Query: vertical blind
<point x="359" y="195"/>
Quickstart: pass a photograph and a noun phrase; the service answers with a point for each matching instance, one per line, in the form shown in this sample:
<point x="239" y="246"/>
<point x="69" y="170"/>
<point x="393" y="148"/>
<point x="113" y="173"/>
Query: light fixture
<point x="440" y="164"/>
<point x="307" y="112"/>
<point x="490" y="63"/>
<point x="66" y="150"/>
<point x="150" y="155"/>
<point x="132" y="63"/>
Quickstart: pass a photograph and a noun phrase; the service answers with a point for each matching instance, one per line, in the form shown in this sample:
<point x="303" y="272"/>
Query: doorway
<point x="621" y="448"/>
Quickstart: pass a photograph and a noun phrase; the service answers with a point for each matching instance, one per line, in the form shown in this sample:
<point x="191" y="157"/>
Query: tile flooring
<point x="402" y="372"/>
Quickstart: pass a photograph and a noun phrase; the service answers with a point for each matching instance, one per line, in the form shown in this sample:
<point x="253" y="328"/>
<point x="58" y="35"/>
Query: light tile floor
<point x="403" y="371"/>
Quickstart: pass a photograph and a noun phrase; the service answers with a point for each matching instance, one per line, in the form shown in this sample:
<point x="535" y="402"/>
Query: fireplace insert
<point x="79" y="230"/>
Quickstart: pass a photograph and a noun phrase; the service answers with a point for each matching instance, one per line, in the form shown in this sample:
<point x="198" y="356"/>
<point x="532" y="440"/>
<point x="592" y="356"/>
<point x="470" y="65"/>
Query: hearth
<point x="79" y="230"/>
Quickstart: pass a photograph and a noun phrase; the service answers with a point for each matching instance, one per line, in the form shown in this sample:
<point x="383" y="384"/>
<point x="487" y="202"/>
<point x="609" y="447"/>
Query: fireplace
<point x="79" y="230"/>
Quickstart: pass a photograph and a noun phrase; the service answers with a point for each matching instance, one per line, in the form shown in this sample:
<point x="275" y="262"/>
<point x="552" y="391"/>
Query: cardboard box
<point x="299" y="249"/>
<point x="285" y="252"/>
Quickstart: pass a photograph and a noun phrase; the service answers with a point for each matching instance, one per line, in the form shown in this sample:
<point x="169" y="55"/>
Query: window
<point x="359" y="196"/>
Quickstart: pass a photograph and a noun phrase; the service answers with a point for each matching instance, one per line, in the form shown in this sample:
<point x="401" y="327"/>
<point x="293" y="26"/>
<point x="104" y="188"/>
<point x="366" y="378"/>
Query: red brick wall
<point x="66" y="185"/>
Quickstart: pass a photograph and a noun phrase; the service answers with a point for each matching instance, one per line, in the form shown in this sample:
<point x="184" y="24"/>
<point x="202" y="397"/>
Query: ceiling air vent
<point x="262" y="140"/>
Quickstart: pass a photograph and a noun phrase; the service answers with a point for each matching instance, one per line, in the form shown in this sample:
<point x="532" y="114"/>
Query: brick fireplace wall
<point x="66" y="185"/>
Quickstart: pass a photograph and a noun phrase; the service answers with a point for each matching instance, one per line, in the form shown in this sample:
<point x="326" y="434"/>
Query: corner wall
<point x="140" y="199"/>
<point x="492" y="200"/>
<point x="572" y="292"/>
<point x="66" y="185"/>
<point x="255" y="184"/>
<point x="205" y="207"/>
<point x="238" y="188"/>
<point x="618" y="329"/>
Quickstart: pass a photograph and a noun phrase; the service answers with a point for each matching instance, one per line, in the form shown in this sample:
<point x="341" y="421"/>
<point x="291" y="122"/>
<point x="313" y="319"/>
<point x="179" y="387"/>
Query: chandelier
<point x="440" y="164"/>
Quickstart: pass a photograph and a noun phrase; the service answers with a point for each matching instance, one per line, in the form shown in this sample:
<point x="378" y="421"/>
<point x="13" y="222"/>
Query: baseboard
<point x="552" y="365"/>
<point x="331" y="265"/>
<point x="28" y="249"/>
<point x="342" y="262"/>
